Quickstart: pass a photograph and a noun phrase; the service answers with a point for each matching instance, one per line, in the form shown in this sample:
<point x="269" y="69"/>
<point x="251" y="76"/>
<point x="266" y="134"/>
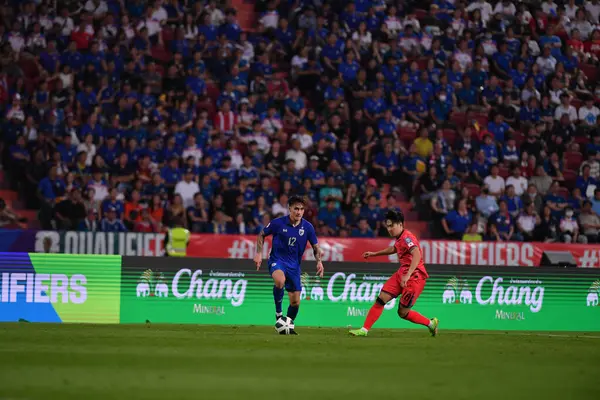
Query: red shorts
<point x="410" y="293"/>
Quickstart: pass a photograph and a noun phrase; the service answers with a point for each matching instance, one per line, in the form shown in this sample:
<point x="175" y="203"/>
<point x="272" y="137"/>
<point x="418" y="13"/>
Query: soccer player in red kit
<point x="408" y="282"/>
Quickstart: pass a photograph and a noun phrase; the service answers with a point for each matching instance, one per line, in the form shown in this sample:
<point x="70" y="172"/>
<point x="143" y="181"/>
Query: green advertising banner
<point x="230" y="292"/>
<point x="59" y="288"/>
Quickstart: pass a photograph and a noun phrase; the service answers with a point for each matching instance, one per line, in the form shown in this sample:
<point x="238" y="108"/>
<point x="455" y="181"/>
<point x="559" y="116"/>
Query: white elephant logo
<point x="592" y="299"/>
<point x="143" y="289"/>
<point x="316" y="293"/>
<point x="303" y="294"/>
<point x="466" y="297"/>
<point x="161" y="290"/>
<point x="449" y="296"/>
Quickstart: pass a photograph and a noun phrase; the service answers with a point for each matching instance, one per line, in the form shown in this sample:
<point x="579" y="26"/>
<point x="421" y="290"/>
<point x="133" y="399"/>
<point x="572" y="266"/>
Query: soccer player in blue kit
<point x="290" y="234"/>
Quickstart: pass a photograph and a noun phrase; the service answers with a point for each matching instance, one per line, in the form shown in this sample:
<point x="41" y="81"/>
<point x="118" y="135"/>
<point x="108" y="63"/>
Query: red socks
<point x="373" y="315"/>
<point x="415" y="318"/>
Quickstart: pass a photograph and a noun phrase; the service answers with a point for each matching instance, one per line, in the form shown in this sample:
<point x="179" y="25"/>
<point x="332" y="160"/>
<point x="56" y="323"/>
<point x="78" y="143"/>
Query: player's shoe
<point x="277" y="316"/>
<point x="433" y="329"/>
<point x="358" y="332"/>
<point x="293" y="332"/>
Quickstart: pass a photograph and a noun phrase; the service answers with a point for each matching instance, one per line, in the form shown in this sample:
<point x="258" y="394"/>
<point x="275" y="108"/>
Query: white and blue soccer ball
<point x="284" y="325"/>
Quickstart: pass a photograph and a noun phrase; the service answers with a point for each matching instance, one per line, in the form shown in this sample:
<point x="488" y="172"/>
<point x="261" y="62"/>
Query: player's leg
<point x="390" y="290"/>
<point x="410" y="294"/>
<point x="278" y="285"/>
<point x="293" y="285"/>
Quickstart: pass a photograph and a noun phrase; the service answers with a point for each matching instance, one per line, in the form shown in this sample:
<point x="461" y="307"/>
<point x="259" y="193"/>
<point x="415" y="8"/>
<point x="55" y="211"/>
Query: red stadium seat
<point x="421" y="14"/>
<point x="474" y="189"/>
<point x="407" y="135"/>
<point x="576" y="102"/>
<point x="459" y="119"/>
<point x="503" y="172"/>
<point x="29" y="67"/>
<point x="573" y="159"/>
<point x="212" y="91"/>
<point x="570" y="178"/>
<point x="275" y="184"/>
<point x="519" y="138"/>
<point x="167" y="35"/>
<point x="582" y="140"/>
<point x="450" y="136"/>
<point x="481" y="118"/>
<point x="590" y="71"/>
<point x="564" y="192"/>
<point x="290" y="129"/>
<point x="161" y="54"/>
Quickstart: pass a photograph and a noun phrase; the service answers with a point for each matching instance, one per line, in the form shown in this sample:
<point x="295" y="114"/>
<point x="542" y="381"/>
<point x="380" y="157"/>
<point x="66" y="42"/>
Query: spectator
<point x="90" y="223"/>
<point x="541" y="180"/>
<point x="146" y="223"/>
<point x="585" y="182"/>
<point x="569" y="228"/>
<point x="495" y="182"/>
<point x="68" y="213"/>
<point x="456" y="222"/>
<point x="528" y="223"/>
<point x="111" y="223"/>
<point x="517" y="181"/>
<point x="513" y="202"/>
<point x="424" y="146"/>
<point x="129" y="118"/>
<point x="9" y="217"/>
<point x="198" y="215"/>
<point x="472" y="235"/>
<point x="555" y="201"/>
<point x="281" y="207"/>
<point x="596" y="201"/>
<point x="532" y="196"/>
<point x="363" y="230"/>
<point x="486" y="203"/>
<point x="590" y="223"/>
<point x="442" y="203"/>
<point x="502" y="225"/>
<point x="187" y="188"/>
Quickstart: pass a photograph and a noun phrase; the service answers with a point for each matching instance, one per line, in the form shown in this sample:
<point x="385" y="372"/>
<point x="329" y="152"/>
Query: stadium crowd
<point x="136" y="115"/>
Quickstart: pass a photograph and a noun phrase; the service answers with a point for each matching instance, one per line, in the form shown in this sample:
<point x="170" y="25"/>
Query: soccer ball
<point x="284" y="325"/>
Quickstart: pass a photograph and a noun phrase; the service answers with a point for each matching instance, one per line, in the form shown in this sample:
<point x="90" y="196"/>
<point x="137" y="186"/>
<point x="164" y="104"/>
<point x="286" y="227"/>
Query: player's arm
<point x="414" y="262"/>
<point x="312" y="239"/>
<point x="385" y="252"/>
<point x="260" y="241"/>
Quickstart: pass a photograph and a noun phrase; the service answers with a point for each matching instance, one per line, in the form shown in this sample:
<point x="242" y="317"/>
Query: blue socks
<point x="293" y="312"/>
<point x="278" y="297"/>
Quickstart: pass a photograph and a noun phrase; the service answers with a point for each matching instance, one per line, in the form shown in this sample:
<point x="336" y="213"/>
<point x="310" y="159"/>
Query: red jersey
<point x="404" y="244"/>
<point x="592" y="46"/>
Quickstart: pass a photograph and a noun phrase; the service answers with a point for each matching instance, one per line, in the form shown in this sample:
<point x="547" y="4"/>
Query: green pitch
<point x="41" y="361"/>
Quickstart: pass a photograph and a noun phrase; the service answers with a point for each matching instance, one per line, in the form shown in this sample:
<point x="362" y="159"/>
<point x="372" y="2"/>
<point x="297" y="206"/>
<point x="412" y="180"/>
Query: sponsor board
<point x="112" y="289"/>
<point x="59" y="288"/>
<point x="497" y="254"/>
<point x="477" y="298"/>
<point x="103" y="243"/>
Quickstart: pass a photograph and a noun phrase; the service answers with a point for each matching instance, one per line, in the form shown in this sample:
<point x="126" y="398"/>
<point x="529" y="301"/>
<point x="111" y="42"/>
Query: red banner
<point x="434" y="251"/>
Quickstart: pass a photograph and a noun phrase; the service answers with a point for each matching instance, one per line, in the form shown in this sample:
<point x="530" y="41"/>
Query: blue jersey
<point x="289" y="242"/>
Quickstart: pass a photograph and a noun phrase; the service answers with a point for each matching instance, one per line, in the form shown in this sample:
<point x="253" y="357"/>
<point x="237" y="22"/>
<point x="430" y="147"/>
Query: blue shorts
<point x="293" y="282"/>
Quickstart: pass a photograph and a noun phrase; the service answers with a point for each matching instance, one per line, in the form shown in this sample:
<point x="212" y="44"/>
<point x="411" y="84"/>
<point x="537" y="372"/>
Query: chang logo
<point x="311" y="291"/>
<point x="457" y="291"/>
<point x="190" y="284"/>
<point x="593" y="292"/>
<point x="152" y="284"/>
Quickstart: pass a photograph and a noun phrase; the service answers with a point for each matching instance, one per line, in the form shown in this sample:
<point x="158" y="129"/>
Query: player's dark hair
<point x="396" y="216"/>
<point x="296" y="200"/>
